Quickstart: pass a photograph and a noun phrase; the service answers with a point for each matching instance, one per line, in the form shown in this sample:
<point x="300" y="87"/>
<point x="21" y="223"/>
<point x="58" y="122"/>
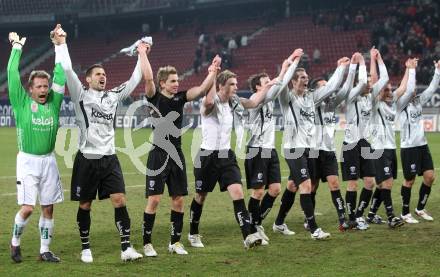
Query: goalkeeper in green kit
<point x="36" y="116"/>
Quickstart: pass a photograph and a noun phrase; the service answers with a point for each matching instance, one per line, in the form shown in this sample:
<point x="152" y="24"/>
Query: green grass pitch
<point x="412" y="250"/>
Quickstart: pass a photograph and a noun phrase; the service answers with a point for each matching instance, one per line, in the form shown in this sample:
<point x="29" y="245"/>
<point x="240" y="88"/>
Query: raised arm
<point x="208" y="102"/>
<point x="284" y="90"/>
<point x="147" y="73"/>
<point x="126" y="88"/>
<point x="383" y="78"/>
<point x="373" y="65"/>
<point x="403" y="84"/>
<point x="58" y="37"/>
<point x="333" y="83"/>
<point x="287" y="69"/>
<point x="433" y="86"/>
<point x="17" y="93"/>
<point x="403" y="101"/>
<point x="348" y="84"/>
<point x="362" y="81"/>
<point x="196" y="92"/>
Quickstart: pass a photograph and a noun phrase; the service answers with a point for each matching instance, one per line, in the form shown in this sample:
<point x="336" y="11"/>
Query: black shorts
<point x="386" y="166"/>
<point x="262" y="167"/>
<point x="415" y="161"/>
<point x="302" y="164"/>
<point x="91" y="176"/>
<point x="212" y="166"/>
<point x="161" y="169"/>
<point x="353" y="164"/>
<point x="326" y="165"/>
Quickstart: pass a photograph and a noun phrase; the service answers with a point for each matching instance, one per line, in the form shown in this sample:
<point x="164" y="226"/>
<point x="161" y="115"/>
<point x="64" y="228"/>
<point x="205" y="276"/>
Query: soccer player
<point x="96" y="168"/>
<point x="299" y="140"/>
<point x="355" y="149"/>
<point x="262" y="165"/>
<point x="166" y="157"/>
<point x="414" y="150"/>
<point x="384" y="109"/>
<point x="216" y="162"/>
<point x="37" y="125"/>
<point x="326" y="162"/>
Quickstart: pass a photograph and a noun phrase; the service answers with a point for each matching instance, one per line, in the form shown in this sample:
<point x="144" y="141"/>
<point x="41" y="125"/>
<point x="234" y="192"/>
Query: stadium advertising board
<point x="127" y="118"/>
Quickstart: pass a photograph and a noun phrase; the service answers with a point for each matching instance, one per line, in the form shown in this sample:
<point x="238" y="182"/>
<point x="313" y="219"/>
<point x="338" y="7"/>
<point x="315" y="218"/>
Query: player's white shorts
<point x="38" y="176"/>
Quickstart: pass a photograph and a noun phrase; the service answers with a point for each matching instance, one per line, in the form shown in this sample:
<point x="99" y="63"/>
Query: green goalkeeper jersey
<point x="37" y="124"/>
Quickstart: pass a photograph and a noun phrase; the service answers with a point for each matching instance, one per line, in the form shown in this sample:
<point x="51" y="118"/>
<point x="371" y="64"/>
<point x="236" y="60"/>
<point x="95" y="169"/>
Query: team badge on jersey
<point x="34" y="107"/>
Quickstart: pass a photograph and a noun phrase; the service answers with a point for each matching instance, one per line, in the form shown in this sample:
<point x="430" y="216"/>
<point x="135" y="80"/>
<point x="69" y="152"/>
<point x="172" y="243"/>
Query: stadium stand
<point x="336" y="34"/>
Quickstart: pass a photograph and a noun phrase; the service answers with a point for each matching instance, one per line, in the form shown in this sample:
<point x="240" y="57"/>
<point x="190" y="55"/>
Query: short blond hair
<point x="224" y="76"/>
<point x="38" y="74"/>
<point x="164" y="72"/>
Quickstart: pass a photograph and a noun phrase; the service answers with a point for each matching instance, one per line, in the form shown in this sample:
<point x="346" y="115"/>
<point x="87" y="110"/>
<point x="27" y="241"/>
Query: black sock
<point x="405" y="192"/>
<point x="266" y="205"/>
<point x="176" y="226"/>
<point x="194" y="217"/>
<point x="287" y="201"/>
<point x="242" y="217"/>
<point x="376" y="200"/>
<point x="350" y="199"/>
<point x="307" y="206"/>
<point x="387" y="202"/>
<point x="122" y="221"/>
<point x="313" y="197"/>
<point x="423" y="196"/>
<point x="364" y="200"/>
<point x="83" y="221"/>
<point x="254" y="211"/>
<point x="147" y="227"/>
<point x="338" y="201"/>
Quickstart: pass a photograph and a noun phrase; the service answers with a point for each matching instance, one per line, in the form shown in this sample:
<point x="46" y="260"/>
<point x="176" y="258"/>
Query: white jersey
<point x="217" y="126"/>
<point x="95" y="110"/>
<point x="412" y="130"/>
<point x="382" y="125"/>
<point x="359" y="107"/>
<point x="326" y="119"/>
<point x="299" y="112"/>
<point x="261" y="122"/>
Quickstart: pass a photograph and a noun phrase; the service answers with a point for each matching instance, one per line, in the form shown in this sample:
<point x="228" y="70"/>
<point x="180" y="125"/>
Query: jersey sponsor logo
<point x="329" y="120"/>
<point x="40" y="121"/>
<point x="365" y="113"/>
<point x="268" y="115"/>
<point x="415" y="114"/>
<point x="308" y="115"/>
<point x="98" y="114"/>
<point x="390" y="117"/>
